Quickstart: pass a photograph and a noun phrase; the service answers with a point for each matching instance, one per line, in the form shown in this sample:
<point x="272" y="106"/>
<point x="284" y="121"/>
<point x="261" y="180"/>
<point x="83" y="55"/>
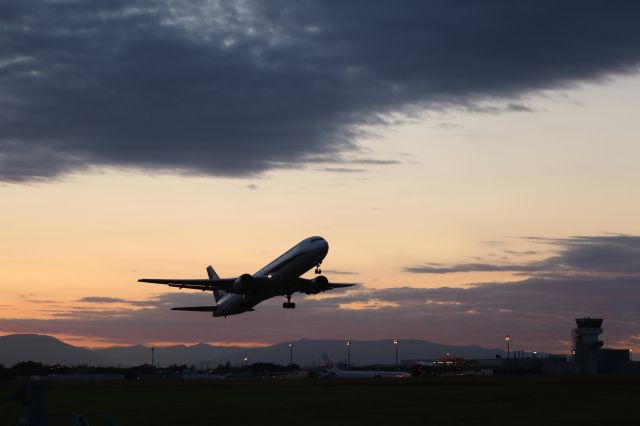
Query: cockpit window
<point x="313" y="240"/>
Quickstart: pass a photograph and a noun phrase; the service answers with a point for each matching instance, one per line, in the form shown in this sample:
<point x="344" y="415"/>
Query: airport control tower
<point x="587" y="346"/>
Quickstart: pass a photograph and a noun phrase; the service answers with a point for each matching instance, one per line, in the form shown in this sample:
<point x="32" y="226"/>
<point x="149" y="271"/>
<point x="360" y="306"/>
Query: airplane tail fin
<point x="212" y="274"/>
<point x="217" y="294"/>
<point x="327" y="362"/>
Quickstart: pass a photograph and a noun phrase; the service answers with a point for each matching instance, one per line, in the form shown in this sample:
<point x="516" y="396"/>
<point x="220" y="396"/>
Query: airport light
<point x="395" y="345"/>
<point x="290" y="355"/>
<point x="245" y="360"/>
<point x="507" y="339"/>
<point x="348" y="353"/>
<point x="630" y="354"/>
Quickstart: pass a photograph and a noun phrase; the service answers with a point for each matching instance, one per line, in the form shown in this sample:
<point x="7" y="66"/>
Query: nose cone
<point x="324" y="245"/>
<point x="319" y="243"/>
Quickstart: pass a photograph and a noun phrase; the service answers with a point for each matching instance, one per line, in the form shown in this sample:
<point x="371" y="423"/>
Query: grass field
<point x="429" y="401"/>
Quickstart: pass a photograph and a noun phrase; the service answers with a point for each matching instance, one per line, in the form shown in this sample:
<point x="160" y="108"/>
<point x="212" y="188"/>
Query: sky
<point x="473" y="166"/>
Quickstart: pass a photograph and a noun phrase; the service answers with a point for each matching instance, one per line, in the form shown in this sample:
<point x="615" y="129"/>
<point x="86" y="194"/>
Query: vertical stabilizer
<point x="212" y="274"/>
<point x="327" y="363"/>
<point x="217" y="294"/>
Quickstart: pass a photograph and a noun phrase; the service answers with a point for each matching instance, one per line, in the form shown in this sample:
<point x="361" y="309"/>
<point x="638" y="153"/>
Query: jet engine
<point x="242" y="284"/>
<point x="318" y="284"/>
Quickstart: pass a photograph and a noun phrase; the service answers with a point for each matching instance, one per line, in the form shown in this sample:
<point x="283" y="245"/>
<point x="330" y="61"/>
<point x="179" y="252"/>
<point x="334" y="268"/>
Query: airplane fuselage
<point x="280" y="275"/>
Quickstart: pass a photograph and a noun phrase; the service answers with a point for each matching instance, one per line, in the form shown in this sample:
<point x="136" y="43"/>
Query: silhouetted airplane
<point x="279" y="278"/>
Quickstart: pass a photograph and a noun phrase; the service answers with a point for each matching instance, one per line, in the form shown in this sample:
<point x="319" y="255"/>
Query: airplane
<point x="282" y="277"/>
<point x="333" y="371"/>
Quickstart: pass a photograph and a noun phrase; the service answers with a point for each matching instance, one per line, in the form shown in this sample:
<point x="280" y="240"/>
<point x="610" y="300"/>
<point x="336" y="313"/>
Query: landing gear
<point x="318" y="271"/>
<point x="288" y="304"/>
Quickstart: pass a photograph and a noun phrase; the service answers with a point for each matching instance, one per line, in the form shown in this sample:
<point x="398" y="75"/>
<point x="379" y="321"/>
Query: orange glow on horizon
<point x="93" y="343"/>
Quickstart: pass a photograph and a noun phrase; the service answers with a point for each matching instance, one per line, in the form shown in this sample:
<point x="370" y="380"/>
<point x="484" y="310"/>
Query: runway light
<point x="507" y="339"/>
<point x="395" y="345"/>
<point x="290" y="355"/>
<point x="348" y="352"/>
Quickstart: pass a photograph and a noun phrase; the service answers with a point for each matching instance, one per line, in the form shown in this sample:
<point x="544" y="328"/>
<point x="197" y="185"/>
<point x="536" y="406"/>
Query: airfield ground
<point x="428" y="401"/>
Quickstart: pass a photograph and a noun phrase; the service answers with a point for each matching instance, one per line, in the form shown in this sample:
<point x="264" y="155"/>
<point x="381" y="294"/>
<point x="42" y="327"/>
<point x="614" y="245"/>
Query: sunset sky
<point x="473" y="166"/>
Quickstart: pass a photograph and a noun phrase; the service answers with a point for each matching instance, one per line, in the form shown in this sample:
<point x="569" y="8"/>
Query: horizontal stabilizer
<point x="341" y="285"/>
<point x="202" y="282"/>
<point x="196" y="308"/>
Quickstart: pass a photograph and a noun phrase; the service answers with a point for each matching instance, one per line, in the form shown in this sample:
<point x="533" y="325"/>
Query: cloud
<point x="100" y="299"/>
<point x="337" y="272"/>
<point x="342" y="170"/>
<point x="465" y="267"/>
<point x="31" y="299"/>
<point x="236" y="89"/>
<point x="373" y="161"/>
<point x="521" y="252"/>
<point x="581" y="255"/>
<point x="519" y="108"/>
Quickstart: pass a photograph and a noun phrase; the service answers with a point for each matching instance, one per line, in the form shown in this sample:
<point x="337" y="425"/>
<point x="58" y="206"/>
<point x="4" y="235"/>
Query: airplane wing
<point x="197" y="284"/>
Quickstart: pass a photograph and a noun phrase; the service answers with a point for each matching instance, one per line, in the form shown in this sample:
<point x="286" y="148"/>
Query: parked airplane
<point x="333" y="371"/>
<point x="279" y="278"/>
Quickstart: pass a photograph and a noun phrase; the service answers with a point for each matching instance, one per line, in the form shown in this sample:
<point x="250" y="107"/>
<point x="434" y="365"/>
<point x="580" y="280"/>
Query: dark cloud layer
<point x="585" y="255"/>
<point x="227" y="88"/>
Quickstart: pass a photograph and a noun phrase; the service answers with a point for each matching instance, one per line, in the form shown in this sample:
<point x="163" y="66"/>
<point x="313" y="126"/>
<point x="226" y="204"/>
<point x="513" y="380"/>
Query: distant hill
<point x="15" y="348"/>
<point x="166" y="355"/>
<point x="49" y="350"/>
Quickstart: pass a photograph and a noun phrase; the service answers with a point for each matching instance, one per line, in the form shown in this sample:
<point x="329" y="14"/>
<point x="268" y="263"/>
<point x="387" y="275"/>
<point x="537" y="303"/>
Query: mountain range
<point x="49" y="350"/>
<point x="45" y="349"/>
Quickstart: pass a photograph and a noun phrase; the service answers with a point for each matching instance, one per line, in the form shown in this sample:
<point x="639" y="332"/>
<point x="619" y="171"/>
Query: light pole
<point x="152" y="356"/>
<point x="507" y="339"/>
<point x="245" y="361"/>
<point x="630" y="354"/>
<point x="395" y="344"/>
<point x="348" y="353"/>
<point x="291" y="355"/>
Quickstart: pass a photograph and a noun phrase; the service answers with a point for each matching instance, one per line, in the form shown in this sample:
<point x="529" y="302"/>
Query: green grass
<point x="443" y="401"/>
